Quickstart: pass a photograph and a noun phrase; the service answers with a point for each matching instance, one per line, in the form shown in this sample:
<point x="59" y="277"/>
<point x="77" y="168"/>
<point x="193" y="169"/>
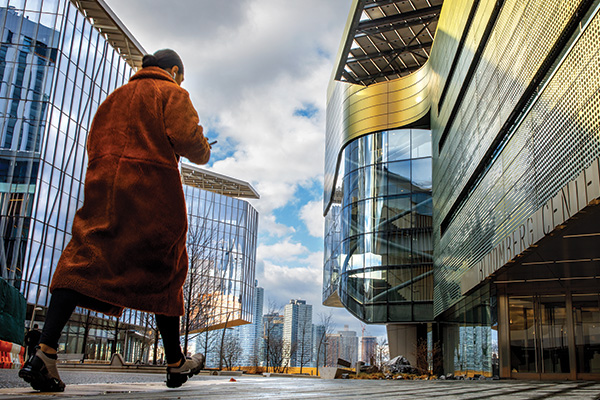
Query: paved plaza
<point x="151" y="386"/>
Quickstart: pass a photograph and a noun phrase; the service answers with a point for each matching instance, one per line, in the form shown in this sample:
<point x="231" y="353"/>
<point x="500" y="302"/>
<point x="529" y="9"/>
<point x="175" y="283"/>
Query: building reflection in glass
<point x="384" y="265"/>
<point x="222" y="251"/>
<point x="28" y="55"/>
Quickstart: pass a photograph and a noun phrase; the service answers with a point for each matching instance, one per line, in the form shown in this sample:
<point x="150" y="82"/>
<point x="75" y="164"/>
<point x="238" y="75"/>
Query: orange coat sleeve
<point x="182" y="126"/>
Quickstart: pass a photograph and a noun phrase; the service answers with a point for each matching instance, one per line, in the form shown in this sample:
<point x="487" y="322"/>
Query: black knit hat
<point x="165" y="58"/>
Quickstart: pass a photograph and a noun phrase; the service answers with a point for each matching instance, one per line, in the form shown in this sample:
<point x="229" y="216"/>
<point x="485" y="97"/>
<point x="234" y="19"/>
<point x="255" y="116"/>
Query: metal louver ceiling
<point x="388" y="39"/>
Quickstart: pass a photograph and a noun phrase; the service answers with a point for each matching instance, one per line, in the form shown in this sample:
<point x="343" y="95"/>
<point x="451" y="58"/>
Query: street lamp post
<point x="35" y="308"/>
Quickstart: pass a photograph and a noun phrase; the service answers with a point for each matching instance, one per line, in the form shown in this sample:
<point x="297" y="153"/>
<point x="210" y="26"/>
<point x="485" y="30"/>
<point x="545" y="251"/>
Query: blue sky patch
<point x="308" y="111"/>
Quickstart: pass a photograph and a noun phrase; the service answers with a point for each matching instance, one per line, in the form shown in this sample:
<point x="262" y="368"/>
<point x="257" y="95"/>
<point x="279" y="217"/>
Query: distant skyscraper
<point x="297" y="333"/>
<point x="332" y="349"/>
<point x="342" y="345"/>
<point x="272" y="331"/>
<point x="251" y="335"/>
<point x="318" y="353"/>
<point x="368" y="348"/>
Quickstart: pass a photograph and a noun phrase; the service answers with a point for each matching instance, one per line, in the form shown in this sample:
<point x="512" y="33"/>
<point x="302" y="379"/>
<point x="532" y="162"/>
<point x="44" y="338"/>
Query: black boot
<point x="41" y="373"/>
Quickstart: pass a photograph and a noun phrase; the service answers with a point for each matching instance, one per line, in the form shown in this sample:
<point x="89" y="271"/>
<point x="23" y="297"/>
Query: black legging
<point x="63" y="303"/>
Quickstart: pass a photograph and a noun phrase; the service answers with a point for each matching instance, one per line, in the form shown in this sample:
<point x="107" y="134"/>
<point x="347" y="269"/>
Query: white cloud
<point x="250" y="65"/>
<point x="283" y="250"/>
<point x="268" y="223"/>
<point x="312" y="216"/>
<point x="299" y="282"/>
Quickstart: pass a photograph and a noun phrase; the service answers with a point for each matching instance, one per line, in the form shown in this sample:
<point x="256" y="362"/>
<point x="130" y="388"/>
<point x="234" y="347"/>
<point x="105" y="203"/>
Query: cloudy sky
<point x="257" y="71"/>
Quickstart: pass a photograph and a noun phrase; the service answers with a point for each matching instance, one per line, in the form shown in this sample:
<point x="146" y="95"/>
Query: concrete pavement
<point x="256" y="387"/>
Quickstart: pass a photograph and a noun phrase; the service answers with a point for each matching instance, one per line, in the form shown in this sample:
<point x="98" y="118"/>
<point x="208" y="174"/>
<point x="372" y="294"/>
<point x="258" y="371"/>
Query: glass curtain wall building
<point x="511" y="95"/>
<point x="59" y="60"/>
<point x="221" y="248"/>
<point x="378" y="253"/>
<point x="386" y="251"/>
<point x="220" y="290"/>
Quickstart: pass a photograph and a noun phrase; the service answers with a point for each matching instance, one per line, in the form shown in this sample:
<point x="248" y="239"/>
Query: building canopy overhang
<point x="386" y="39"/>
<point x="211" y="181"/>
<point x="115" y="32"/>
<point x="570" y="253"/>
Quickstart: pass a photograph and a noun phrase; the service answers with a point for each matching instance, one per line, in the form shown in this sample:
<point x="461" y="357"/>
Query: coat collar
<point x="152" y="73"/>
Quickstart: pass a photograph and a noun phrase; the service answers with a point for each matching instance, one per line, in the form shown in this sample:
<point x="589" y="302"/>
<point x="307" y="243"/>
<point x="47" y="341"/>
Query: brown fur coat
<point x="128" y="247"/>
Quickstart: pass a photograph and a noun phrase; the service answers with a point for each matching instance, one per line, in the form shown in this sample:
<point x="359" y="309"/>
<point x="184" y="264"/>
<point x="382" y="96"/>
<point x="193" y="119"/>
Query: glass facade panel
<point x="470" y="335"/>
<point x="385" y="259"/>
<point x="222" y="253"/>
<point x="399" y="145"/>
<point x="399" y="177"/>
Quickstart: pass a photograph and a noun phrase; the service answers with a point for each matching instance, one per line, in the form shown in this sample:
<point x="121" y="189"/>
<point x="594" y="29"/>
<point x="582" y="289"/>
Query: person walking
<point x="32" y="339"/>
<point x="128" y="244"/>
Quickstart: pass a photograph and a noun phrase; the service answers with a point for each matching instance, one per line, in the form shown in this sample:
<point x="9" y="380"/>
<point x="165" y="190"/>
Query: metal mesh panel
<point x="554" y="142"/>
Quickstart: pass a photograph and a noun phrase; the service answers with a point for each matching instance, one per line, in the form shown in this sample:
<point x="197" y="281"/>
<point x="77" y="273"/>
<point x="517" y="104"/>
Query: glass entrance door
<point x="586" y="318"/>
<point x="538" y="335"/>
<point x="554" y="344"/>
<point x="523" y="345"/>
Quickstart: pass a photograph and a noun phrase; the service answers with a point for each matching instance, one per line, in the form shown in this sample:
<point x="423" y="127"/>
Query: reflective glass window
<point x="398" y="178"/>
<point x="380" y="146"/>
<point x="350" y="188"/>
<point x="399" y="145"/>
<point x="50" y="6"/>
<point x="365" y="150"/>
<point x="400" y="249"/>
<point x="18" y="4"/>
<point x="421" y="175"/>
<point x="421" y="143"/>
<point x="351" y="156"/>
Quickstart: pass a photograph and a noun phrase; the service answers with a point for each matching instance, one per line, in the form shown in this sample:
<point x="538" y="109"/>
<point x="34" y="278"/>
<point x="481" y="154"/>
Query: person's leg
<point x="62" y="305"/>
<point x="169" y="330"/>
<point x="179" y="368"/>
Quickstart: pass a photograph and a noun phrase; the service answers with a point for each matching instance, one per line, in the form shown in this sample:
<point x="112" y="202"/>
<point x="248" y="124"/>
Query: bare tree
<point x="326" y="321"/>
<point x="255" y="357"/>
<point x="383" y="352"/>
<point x="279" y="350"/>
<point x="206" y="284"/>
<point x="223" y="342"/>
<point x="155" y="335"/>
<point x="232" y="351"/>
<point x="198" y="286"/>
<point x="288" y="348"/>
<point x="207" y="342"/>
<point x="429" y="360"/>
<point x="149" y="324"/>
<point x="304" y="344"/>
<point x="272" y="336"/>
<point x="275" y="353"/>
